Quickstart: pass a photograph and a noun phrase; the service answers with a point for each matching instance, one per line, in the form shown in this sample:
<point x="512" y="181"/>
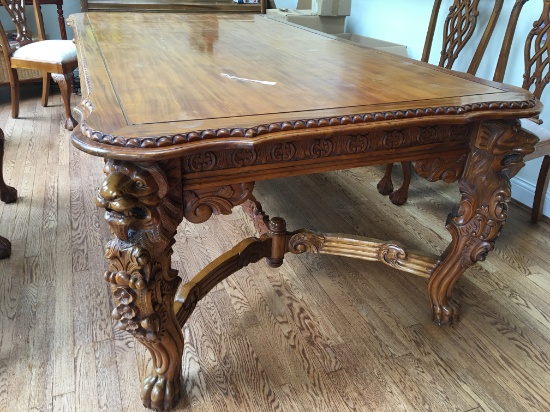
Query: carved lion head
<point x="132" y="197"/>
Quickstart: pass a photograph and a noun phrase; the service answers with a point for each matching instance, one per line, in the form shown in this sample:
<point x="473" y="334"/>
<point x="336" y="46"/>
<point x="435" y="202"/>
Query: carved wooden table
<point x="190" y="110"/>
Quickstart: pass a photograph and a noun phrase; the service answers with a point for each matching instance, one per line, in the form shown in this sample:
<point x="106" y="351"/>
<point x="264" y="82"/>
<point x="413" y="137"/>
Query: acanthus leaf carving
<point x="498" y="148"/>
<point x="448" y="169"/>
<point x="143" y="203"/>
<point x="201" y="204"/>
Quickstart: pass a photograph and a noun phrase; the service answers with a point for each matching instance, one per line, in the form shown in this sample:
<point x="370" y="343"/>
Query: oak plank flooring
<point x="320" y="333"/>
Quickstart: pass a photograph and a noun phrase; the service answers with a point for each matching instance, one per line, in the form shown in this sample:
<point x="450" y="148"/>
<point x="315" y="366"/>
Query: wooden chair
<point x="536" y="76"/>
<point x="460" y="25"/>
<point x="7" y="194"/>
<point x="57" y="57"/>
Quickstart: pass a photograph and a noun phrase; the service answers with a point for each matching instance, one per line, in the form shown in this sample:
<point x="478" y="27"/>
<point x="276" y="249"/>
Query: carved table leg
<point x="143" y="205"/>
<point x="8" y="194"/>
<point x="497" y="154"/>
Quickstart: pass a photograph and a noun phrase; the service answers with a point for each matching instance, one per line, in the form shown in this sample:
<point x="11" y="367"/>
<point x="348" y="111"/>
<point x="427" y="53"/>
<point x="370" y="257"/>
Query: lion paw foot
<point x="446" y="314"/>
<point x="159" y="393"/>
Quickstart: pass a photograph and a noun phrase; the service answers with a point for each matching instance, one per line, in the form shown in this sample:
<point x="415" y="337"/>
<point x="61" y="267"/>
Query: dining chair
<point x="459" y="27"/>
<point x="8" y="195"/>
<point x="535" y="78"/>
<point x="22" y="50"/>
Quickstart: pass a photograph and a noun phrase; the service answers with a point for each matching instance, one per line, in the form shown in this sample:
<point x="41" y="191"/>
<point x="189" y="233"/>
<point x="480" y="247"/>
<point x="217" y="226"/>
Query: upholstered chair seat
<point x="47" y="51"/>
<point x="25" y="51"/>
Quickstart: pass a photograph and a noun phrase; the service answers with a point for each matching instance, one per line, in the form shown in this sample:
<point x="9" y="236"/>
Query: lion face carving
<point x="131" y="196"/>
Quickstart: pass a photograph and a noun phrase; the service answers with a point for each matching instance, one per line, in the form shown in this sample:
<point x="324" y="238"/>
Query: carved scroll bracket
<point x="201" y="204"/>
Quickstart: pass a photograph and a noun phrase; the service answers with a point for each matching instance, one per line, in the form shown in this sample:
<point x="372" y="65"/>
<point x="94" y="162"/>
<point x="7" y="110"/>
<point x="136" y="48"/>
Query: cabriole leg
<point x="143" y="205"/>
<point x="497" y="154"/>
<point x="64" y="81"/>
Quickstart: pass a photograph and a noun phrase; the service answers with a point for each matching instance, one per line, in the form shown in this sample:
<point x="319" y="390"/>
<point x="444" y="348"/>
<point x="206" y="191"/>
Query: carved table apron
<point x="188" y="111"/>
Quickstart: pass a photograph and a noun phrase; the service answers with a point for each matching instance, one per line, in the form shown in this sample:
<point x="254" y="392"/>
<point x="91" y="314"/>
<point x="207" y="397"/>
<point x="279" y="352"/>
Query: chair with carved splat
<point x="57" y="57"/>
<point x="460" y="25"/>
<point x="7" y="194"/>
<point x="536" y="76"/>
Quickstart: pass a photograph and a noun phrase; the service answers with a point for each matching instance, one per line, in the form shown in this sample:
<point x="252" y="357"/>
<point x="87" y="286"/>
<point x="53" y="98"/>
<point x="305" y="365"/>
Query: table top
<point x="158" y="82"/>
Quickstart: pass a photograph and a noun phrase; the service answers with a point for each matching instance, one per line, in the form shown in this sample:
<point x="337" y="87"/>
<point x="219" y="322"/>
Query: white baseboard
<point x="524" y="192"/>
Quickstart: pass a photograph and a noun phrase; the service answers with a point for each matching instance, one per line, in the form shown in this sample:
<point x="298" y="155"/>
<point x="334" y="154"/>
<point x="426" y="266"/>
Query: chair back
<point x="536" y="50"/>
<point x="17" y="13"/>
<point x="460" y="25"/>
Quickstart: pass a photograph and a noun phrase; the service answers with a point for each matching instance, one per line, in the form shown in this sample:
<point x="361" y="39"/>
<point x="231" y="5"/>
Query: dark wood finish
<point x="188" y="6"/>
<point x="8" y="194"/>
<point x="195" y="146"/>
<point x="540" y="190"/>
<point x="63" y="70"/>
<point x="460" y="25"/>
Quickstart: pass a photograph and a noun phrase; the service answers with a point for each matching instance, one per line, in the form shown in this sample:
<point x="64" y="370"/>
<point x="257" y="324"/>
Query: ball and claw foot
<point x="399" y="196"/>
<point x="5" y="248"/>
<point x="70" y="123"/>
<point x="159" y="393"/>
<point x="385" y="186"/>
<point x="8" y="194"/>
<point x="446" y="314"/>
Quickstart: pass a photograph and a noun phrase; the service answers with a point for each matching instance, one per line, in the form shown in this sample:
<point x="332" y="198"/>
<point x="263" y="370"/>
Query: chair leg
<point x="8" y="194"/>
<point x="64" y="81"/>
<point x="45" y="88"/>
<point x="14" y="86"/>
<point x="540" y="191"/>
<point x="385" y="185"/>
<point x="399" y="196"/>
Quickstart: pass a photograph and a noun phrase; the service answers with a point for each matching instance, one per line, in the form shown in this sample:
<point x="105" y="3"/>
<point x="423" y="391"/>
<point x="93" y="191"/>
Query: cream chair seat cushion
<point x="47" y="51"/>
<point x="542" y="148"/>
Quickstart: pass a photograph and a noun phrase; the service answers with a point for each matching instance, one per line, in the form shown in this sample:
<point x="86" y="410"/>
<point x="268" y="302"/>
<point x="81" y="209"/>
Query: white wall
<point x="405" y="22"/>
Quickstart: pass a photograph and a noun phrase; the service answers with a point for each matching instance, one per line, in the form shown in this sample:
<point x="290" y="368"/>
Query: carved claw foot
<point x="446" y="314"/>
<point x="5" y="248"/>
<point x="385" y="186"/>
<point x="399" y="196"/>
<point x="70" y="123"/>
<point x="159" y="393"/>
<point x="8" y="194"/>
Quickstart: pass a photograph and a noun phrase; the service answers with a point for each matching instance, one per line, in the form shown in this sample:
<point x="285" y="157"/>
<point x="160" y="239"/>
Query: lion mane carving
<point x="140" y="202"/>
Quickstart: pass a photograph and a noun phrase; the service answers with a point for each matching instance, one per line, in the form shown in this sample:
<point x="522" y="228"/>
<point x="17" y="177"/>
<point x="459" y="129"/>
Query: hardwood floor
<point x="321" y="333"/>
